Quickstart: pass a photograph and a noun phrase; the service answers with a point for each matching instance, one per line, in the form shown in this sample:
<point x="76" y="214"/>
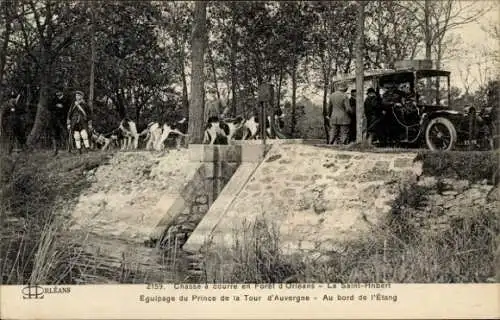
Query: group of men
<point x="65" y="115"/>
<point x="342" y="112"/>
<point x="76" y="115"/>
<point x="341" y="116"/>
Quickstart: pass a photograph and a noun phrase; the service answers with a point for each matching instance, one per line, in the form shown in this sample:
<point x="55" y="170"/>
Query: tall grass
<point x="463" y="253"/>
<point x="34" y="192"/>
<point x="400" y="248"/>
<point x="37" y="194"/>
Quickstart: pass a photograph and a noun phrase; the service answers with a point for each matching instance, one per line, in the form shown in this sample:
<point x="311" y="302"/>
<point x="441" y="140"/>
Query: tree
<point x="50" y="27"/>
<point x="198" y="46"/>
<point x="360" y="70"/>
<point x="390" y="33"/>
<point x="176" y="32"/>
<point x="132" y="68"/>
<point x="435" y="18"/>
<point x="92" y="55"/>
<point x="331" y="38"/>
<point x="295" y="37"/>
<point x="8" y="12"/>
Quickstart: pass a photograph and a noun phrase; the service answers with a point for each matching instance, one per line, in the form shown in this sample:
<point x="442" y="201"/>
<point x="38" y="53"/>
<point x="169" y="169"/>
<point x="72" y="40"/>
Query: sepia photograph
<point x="244" y="144"/>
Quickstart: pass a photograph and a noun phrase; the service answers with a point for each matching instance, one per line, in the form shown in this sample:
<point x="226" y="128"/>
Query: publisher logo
<point x="32" y="292"/>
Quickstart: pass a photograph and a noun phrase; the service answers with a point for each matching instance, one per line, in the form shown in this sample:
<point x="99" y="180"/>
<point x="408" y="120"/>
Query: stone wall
<point x="318" y="197"/>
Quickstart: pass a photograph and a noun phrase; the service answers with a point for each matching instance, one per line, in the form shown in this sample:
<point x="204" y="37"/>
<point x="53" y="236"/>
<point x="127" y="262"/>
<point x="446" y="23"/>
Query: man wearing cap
<point x="58" y="108"/>
<point x="338" y="114"/>
<point x="79" y="121"/>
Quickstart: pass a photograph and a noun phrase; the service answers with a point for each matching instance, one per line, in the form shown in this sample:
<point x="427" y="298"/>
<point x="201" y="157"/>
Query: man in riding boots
<point x="79" y="121"/>
<point x="58" y="108"/>
<point x="338" y="115"/>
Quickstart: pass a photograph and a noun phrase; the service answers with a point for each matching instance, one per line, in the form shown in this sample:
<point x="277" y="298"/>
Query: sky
<point x="470" y="51"/>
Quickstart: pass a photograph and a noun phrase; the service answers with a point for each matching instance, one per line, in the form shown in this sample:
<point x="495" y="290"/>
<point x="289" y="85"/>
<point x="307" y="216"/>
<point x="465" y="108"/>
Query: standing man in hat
<point x="58" y="108"/>
<point x="79" y="121"/>
<point x="374" y="115"/>
<point x="338" y="114"/>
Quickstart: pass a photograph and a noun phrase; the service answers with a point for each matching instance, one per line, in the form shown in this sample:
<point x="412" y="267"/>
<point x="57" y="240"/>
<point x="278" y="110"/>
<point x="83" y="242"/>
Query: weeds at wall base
<point x="397" y="251"/>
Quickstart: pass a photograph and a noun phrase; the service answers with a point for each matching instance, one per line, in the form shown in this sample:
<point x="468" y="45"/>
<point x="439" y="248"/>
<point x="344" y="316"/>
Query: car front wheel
<point x="440" y="134"/>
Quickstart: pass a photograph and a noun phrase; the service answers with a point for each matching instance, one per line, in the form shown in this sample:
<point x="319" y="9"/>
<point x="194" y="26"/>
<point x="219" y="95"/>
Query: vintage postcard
<point x="253" y="159"/>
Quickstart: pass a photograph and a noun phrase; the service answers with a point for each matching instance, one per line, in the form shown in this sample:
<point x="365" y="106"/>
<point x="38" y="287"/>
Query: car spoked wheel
<point x="440" y="134"/>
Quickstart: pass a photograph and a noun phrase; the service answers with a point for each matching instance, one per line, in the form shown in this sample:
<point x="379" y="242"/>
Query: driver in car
<point x="392" y="95"/>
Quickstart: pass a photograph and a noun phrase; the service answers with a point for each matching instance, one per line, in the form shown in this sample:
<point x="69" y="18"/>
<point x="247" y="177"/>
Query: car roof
<point x="385" y="72"/>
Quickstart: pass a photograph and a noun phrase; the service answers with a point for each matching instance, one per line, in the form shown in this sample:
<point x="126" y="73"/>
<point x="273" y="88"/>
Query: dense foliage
<point x="143" y="51"/>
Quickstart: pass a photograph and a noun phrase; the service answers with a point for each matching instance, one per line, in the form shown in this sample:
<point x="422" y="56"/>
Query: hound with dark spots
<point x="102" y="140"/>
<point x="128" y="130"/>
<point x="179" y="128"/>
<point x="225" y="129"/>
<point x="252" y="126"/>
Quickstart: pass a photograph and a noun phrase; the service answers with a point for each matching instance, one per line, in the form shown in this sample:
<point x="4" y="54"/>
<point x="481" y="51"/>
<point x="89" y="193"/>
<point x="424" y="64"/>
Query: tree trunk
<point x="5" y="44"/>
<point x="199" y="43"/>
<point x="326" y="86"/>
<point x="185" y="99"/>
<point x="280" y="83"/>
<point x="120" y="104"/>
<point x="360" y="71"/>
<point x="439" y="54"/>
<point x="39" y="125"/>
<point x="234" y="51"/>
<point x="294" y="97"/>
<point x="214" y="71"/>
<point x="182" y="68"/>
<point x="427" y="30"/>
<point x="92" y="57"/>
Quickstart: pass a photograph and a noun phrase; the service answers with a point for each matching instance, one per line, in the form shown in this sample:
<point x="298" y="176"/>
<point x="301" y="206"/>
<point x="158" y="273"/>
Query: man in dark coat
<point x="79" y="121"/>
<point x="11" y="122"/>
<point x="58" y="108"/>
<point x="338" y="115"/>
<point x="374" y="114"/>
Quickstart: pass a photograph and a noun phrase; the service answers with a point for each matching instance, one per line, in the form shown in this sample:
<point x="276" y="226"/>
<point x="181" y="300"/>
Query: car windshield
<point x="432" y="90"/>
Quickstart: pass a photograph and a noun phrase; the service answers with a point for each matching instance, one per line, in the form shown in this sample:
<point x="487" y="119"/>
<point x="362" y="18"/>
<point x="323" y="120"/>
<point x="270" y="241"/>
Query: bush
<point x="473" y="166"/>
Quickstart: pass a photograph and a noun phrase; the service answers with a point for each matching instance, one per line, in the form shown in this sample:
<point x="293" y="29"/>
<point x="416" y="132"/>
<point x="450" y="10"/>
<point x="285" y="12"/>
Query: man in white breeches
<point x="79" y="122"/>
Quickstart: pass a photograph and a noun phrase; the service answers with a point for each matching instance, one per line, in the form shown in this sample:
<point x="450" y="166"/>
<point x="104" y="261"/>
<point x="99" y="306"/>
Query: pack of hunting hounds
<point x="217" y="130"/>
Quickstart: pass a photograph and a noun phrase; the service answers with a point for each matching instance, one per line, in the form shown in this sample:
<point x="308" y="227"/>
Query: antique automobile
<point x="415" y="100"/>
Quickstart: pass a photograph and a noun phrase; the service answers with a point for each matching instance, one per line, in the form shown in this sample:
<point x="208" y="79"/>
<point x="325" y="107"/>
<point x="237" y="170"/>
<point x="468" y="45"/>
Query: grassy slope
<point x="34" y="188"/>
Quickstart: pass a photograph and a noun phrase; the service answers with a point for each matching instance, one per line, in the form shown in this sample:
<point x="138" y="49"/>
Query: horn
<point x="17" y="98"/>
